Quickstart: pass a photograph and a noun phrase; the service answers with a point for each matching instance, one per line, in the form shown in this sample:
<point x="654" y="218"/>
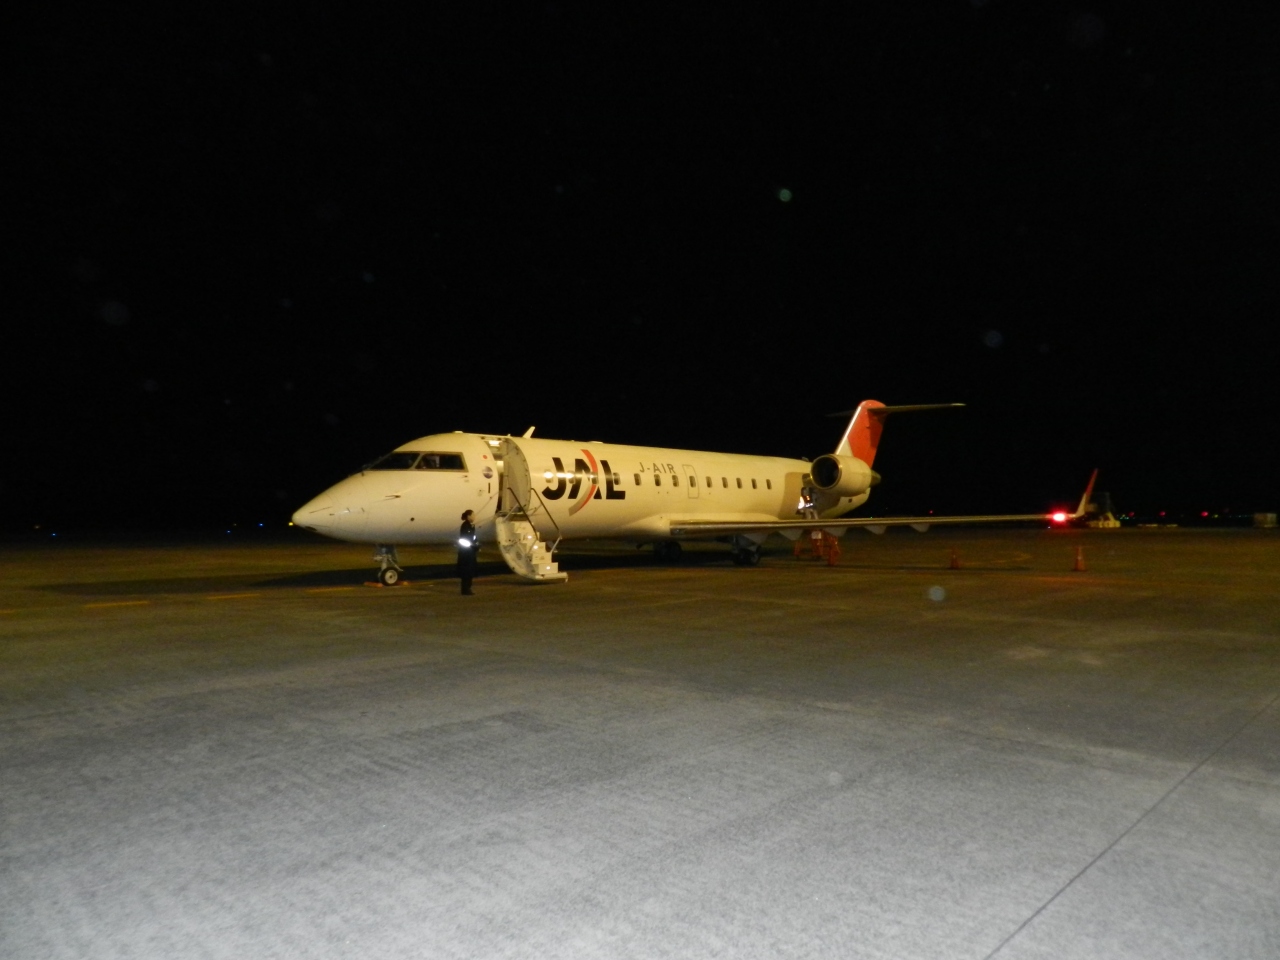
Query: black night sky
<point x="251" y="250"/>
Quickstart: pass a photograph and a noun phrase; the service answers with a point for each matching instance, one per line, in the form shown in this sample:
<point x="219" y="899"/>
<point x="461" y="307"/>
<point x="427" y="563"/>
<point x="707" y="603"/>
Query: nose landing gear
<point x="390" y="570"/>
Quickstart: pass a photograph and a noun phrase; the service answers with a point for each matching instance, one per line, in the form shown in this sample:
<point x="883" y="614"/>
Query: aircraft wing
<point x="696" y="528"/>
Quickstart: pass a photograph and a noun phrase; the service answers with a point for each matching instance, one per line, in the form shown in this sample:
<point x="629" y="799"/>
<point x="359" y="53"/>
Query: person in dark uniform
<point x="468" y="548"/>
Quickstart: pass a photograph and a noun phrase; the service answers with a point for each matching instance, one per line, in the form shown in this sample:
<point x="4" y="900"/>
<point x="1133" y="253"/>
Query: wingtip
<point x="1084" y="500"/>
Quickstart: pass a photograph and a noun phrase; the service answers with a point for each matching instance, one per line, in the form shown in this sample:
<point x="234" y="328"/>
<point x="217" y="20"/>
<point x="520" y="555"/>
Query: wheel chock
<point x="1079" y="566"/>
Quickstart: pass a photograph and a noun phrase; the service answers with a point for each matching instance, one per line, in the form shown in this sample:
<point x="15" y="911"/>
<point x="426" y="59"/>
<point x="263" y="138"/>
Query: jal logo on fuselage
<point x="584" y="471"/>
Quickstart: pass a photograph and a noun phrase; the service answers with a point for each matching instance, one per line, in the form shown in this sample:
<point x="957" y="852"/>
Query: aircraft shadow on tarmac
<point x="195" y="585"/>
<point x="614" y="560"/>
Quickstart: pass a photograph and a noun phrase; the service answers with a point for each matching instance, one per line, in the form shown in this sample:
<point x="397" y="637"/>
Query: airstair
<point x="525" y="552"/>
<point x="523" y="547"/>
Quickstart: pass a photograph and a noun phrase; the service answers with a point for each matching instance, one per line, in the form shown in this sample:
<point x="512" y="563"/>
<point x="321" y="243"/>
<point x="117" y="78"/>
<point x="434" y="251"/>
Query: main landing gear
<point x="391" y="571"/>
<point x="667" y="551"/>
<point x="744" y="552"/>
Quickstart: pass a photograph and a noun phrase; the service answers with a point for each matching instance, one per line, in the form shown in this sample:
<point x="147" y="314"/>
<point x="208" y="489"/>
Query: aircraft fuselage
<point x="568" y="489"/>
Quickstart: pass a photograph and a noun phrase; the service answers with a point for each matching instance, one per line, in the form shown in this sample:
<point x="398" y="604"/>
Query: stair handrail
<point x="547" y="510"/>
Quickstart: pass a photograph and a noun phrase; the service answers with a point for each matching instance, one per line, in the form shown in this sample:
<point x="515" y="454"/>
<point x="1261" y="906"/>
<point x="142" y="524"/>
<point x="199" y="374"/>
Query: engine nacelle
<point x="842" y="476"/>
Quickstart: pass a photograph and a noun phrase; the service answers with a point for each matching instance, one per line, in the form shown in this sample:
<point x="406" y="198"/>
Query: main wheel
<point x="667" y="551"/>
<point x="388" y="576"/>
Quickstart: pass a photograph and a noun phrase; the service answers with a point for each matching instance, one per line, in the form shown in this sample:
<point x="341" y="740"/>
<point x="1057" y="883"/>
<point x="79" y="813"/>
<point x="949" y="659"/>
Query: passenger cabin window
<point x="753" y="484"/>
<point x="724" y="482"/>
<point x="675" y="479"/>
<point x="768" y="484"/>
<point x="657" y="479"/>
<point x="739" y="483"/>
<point x="708" y="483"/>
<point x="637" y="476"/>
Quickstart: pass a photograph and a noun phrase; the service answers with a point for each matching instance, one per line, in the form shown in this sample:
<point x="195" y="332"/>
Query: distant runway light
<point x="937" y="594"/>
<point x="784" y="195"/>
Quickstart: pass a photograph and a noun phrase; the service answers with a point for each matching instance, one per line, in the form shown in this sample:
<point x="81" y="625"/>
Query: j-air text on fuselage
<point x="530" y="494"/>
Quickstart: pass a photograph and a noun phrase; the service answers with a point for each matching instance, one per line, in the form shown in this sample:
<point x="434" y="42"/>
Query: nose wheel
<point x="390" y="571"/>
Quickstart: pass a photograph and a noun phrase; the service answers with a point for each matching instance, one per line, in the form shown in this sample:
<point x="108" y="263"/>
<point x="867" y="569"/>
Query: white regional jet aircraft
<point x="528" y="493"/>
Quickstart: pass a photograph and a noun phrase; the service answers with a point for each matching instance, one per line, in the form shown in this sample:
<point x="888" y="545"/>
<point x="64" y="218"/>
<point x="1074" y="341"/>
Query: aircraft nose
<point x="318" y="514"/>
<point x="309" y="514"/>
<point x="336" y="512"/>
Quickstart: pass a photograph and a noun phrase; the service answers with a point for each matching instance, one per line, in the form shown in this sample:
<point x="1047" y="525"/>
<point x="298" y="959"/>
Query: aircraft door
<point x="691" y="480"/>
<point x="519" y="494"/>
<point x="515" y="478"/>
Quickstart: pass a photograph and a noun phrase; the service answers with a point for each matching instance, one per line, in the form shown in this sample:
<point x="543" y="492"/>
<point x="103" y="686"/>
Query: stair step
<point x="526" y="554"/>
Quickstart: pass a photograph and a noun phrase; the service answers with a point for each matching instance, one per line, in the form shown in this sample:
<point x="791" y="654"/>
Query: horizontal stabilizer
<point x="882" y="412"/>
<point x="862" y="436"/>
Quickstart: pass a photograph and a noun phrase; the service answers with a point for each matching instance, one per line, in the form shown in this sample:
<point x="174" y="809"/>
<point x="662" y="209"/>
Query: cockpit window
<point x="400" y="460"/>
<point x="442" y="461"/>
<point x="414" y="460"/>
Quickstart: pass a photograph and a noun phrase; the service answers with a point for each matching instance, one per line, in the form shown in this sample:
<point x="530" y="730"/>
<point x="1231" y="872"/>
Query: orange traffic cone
<point x="1079" y="564"/>
<point x="955" y="560"/>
